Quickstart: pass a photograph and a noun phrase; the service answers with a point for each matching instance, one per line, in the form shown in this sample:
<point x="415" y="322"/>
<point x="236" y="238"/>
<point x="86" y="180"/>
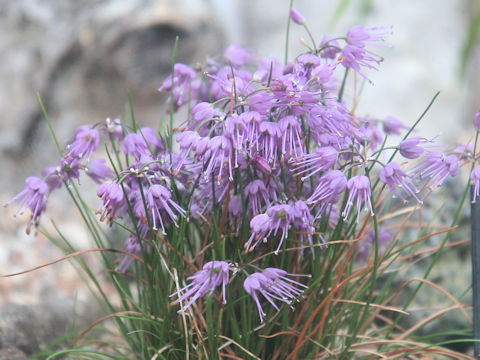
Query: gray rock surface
<point x="27" y="330"/>
<point x="83" y="58"/>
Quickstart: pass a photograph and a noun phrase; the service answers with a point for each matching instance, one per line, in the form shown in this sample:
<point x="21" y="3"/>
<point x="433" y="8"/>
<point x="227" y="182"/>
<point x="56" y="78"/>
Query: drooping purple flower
<point x="52" y="177"/>
<point x="297" y="17"/>
<point x="98" y="170"/>
<point x="237" y="54"/>
<point x="355" y="55"/>
<point x="475" y="177"/>
<point x="355" y="58"/>
<point x="181" y="84"/>
<point x="410" y="148"/>
<point x="218" y="156"/>
<point x="257" y="194"/>
<point x="159" y="200"/>
<point x="202" y="116"/>
<point x="323" y="73"/>
<point x="329" y="188"/>
<point x="359" y="190"/>
<point x="188" y="141"/>
<point x="70" y="168"/>
<point x="304" y="66"/>
<point x="271" y="135"/>
<point x="303" y="223"/>
<point x="322" y="159"/>
<point x="435" y="167"/>
<point x="113" y="128"/>
<point x="393" y="126"/>
<point x="154" y="143"/>
<point x="204" y="282"/>
<point x="132" y="246"/>
<point x="85" y="143"/>
<point x="281" y="217"/>
<point x="235" y="207"/>
<point x="229" y="81"/>
<point x="360" y="36"/>
<point x="34" y="197"/>
<point x="368" y="241"/>
<point x="273" y="284"/>
<point x="260" y="228"/>
<point x="113" y="203"/>
<point x="394" y="176"/>
<point x="135" y="145"/>
<point x="292" y="137"/>
<point x="269" y="68"/>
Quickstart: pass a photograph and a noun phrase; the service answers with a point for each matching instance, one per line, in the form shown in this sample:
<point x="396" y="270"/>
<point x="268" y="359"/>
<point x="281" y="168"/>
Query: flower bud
<point x="476" y="121"/>
<point x="297" y="17"/>
<point x="262" y="164"/>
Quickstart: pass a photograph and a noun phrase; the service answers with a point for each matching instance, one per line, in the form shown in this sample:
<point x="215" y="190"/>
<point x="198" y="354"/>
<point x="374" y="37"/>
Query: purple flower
<point x="361" y="36"/>
<point x="159" y="200"/>
<point x="219" y="152"/>
<point x="70" y="168"/>
<point x="323" y="73"/>
<point x="52" y="177"/>
<point x="114" y="128"/>
<point x="235" y="207"/>
<point x="476" y="121"/>
<point x="357" y="57"/>
<point x="292" y="137"/>
<point x="182" y="77"/>
<point x="269" y="140"/>
<point x="260" y="228"/>
<point x="393" y="126"/>
<point x="394" y="176"/>
<point x="202" y="116"/>
<point x="269" y="67"/>
<point x="323" y="159"/>
<point x="257" y="194"/>
<point x="273" y="284"/>
<point x="297" y="17"/>
<point x="329" y="188"/>
<point x="475" y="177"/>
<point x="237" y="54"/>
<point x="411" y="149"/>
<point x="132" y="245"/>
<point x="281" y="217"/>
<point x="262" y="164"/>
<point x="303" y="223"/>
<point x="152" y="139"/>
<point x="204" y="282"/>
<point x="359" y="187"/>
<point x="369" y="241"/>
<point x="113" y="201"/>
<point x="134" y="145"/>
<point x="33" y="196"/>
<point x="436" y="167"/>
<point x="98" y="170"/>
<point x="85" y="143"/>
<point x="329" y="47"/>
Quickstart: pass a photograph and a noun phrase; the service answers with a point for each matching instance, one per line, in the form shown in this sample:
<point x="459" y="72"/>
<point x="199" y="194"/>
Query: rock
<point x="12" y="353"/>
<point x="83" y="58"/>
<point x="31" y="329"/>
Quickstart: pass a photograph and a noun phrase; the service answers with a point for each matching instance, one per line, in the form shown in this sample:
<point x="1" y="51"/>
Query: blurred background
<point x="84" y="56"/>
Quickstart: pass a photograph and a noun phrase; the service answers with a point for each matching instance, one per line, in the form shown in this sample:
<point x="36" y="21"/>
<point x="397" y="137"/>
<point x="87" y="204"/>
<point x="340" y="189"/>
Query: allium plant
<point x="261" y="224"/>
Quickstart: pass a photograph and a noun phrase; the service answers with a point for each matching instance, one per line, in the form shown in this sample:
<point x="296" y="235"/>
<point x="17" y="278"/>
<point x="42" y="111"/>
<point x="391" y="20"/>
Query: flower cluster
<point x="274" y="148"/>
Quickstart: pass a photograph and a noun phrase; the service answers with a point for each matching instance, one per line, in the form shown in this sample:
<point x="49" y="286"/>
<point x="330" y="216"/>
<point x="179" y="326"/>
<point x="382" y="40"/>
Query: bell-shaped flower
<point x="204" y="282"/>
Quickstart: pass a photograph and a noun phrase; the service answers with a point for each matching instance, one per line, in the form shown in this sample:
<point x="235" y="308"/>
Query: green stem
<point x="287" y="38"/>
